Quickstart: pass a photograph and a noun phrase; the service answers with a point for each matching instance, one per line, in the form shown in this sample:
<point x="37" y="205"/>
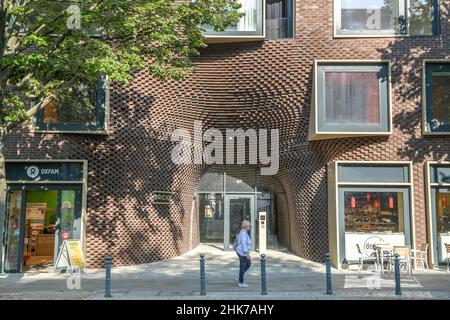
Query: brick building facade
<point x="261" y="84"/>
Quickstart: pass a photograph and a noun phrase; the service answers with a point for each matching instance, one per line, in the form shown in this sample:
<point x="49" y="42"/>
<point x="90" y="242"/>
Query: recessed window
<point x="386" y="18"/>
<point x="279" y="19"/>
<point x="437" y="98"/>
<point x="352" y="99"/>
<point x="84" y="111"/>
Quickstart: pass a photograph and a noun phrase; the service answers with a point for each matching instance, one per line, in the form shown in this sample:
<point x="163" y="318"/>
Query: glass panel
<point x="374" y="211"/>
<point x="440" y="174"/>
<point x="240" y="210"/>
<point x="354" y="173"/>
<point x="211" y="182"/>
<point x="249" y="22"/>
<point x="80" y="109"/>
<point x="68" y="229"/>
<point x="279" y="19"/>
<point x="442" y="201"/>
<point x="212" y="218"/>
<point x="421" y="15"/>
<point x="352" y="97"/>
<point x="40" y="227"/>
<point x="12" y="245"/>
<point x="240" y="184"/>
<point x="370" y="15"/>
<point x="441" y="100"/>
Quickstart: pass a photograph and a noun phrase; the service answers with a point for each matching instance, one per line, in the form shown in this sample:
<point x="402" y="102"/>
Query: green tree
<point x="48" y="48"/>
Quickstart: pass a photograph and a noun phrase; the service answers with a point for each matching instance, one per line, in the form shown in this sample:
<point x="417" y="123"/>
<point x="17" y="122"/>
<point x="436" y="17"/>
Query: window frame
<point x="320" y="132"/>
<point x="337" y="33"/>
<point x="427" y="97"/>
<point x="430" y="206"/>
<point x="225" y="36"/>
<point x="335" y="245"/>
<point x="103" y="112"/>
<point x="291" y="21"/>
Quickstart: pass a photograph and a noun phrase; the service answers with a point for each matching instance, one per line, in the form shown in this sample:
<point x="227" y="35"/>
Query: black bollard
<point x="328" y="271"/>
<point x="398" y="290"/>
<point x="108" y="278"/>
<point x="202" y="276"/>
<point x="263" y="276"/>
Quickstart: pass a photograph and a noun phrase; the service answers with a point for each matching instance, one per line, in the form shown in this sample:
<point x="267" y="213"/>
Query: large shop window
<point x="351" y="99"/>
<point x="386" y="17"/>
<point x="85" y="112"/>
<point x="279" y="19"/>
<point x="373" y="206"/>
<point x="440" y="211"/>
<point x="251" y="25"/>
<point x="437" y="98"/>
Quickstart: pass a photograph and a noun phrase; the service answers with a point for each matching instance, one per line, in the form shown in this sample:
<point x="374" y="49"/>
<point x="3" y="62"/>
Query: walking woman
<point x="243" y="250"/>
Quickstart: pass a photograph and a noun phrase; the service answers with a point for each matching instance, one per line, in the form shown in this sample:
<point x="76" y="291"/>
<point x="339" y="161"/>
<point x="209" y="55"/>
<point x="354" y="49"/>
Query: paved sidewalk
<point x="288" y="277"/>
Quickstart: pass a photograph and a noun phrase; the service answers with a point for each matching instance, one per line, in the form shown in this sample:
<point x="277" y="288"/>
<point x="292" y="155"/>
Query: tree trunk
<point x="3" y="191"/>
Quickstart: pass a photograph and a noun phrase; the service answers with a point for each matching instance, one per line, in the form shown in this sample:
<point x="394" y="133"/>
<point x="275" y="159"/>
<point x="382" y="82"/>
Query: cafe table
<point x="381" y="249"/>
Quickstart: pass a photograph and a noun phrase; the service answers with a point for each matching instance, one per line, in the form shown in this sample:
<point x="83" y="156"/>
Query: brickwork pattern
<point x="249" y="85"/>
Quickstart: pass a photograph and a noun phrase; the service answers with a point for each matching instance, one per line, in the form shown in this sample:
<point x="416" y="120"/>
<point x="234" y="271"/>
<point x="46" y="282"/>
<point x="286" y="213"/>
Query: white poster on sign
<point x="443" y="238"/>
<point x="366" y="242"/>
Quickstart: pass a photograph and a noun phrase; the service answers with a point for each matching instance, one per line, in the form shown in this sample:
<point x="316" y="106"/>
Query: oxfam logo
<point x="33" y="172"/>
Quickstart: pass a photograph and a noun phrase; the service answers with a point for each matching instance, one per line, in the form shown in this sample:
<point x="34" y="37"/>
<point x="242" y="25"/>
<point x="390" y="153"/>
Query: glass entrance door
<point x="441" y="223"/>
<point x="14" y="229"/>
<point x="39" y="218"/>
<point x="237" y="209"/>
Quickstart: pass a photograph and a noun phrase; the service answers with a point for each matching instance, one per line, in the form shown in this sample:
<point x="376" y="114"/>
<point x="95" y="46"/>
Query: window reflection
<point x="442" y="212"/>
<point x="374" y="211"/>
<point x="211" y="217"/>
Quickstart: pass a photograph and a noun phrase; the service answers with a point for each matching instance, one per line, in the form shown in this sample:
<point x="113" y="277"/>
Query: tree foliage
<point x="43" y="56"/>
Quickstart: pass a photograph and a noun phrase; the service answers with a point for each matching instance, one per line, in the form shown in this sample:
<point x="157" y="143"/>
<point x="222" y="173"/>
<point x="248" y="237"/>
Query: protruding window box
<point x="436" y="97"/>
<point x="379" y="18"/>
<point x="86" y="113"/>
<point x="350" y="99"/>
<point x="251" y="27"/>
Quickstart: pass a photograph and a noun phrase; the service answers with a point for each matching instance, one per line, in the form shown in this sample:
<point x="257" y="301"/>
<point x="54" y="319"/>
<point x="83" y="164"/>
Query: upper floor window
<point x="351" y="99"/>
<point x="84" y="112"/>
<point x="251" y="25"/>
<point x="279" y="19"/>
<point x="386" y="17"/>
<point x="437" y="98"/>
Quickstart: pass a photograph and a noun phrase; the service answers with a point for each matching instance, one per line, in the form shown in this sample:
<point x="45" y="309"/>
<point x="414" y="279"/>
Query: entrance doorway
<point x="237" y="209"/>
<point x="39" y="219"/>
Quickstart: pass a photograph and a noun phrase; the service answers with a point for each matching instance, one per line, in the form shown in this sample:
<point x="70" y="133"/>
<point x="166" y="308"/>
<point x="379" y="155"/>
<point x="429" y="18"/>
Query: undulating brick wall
<point x="248" y="85"/>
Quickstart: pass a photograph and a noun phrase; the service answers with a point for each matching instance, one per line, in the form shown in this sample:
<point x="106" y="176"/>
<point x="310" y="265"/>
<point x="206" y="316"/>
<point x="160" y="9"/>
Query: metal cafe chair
<point x="447" y="248"/>
<point x="404" y="257"/>
<point x="421" y="255"/>
<point x="363" y="257"/>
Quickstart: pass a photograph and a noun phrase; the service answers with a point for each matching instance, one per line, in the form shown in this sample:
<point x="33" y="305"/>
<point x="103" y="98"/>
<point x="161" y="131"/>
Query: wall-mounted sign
<point x="161" y="197"/>
<point x="44" y="171"/>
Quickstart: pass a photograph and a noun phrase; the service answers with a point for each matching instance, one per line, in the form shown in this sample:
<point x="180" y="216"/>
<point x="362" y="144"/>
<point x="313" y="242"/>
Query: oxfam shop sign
<point x="44" y="171"/>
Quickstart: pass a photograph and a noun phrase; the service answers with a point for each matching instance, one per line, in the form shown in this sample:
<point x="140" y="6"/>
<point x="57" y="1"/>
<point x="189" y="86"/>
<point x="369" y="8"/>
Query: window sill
<point x="213" y="39"/>
<point x="100" y="133"/>
<point x="340" y="135"/>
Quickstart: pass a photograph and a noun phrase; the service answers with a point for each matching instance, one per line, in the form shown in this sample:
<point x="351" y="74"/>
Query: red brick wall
<point x="250" y="85"/>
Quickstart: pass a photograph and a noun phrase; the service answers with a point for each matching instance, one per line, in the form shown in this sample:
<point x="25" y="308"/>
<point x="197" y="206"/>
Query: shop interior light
<point x="444" y="202"/>
<point x="376" y="203"/>
<point x="391" y="202"/>
<point x="353" y="202"/>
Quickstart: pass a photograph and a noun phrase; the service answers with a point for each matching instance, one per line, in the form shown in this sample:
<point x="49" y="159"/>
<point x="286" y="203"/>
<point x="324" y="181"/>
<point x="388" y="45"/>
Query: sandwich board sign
<point x="70" y="256"/>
